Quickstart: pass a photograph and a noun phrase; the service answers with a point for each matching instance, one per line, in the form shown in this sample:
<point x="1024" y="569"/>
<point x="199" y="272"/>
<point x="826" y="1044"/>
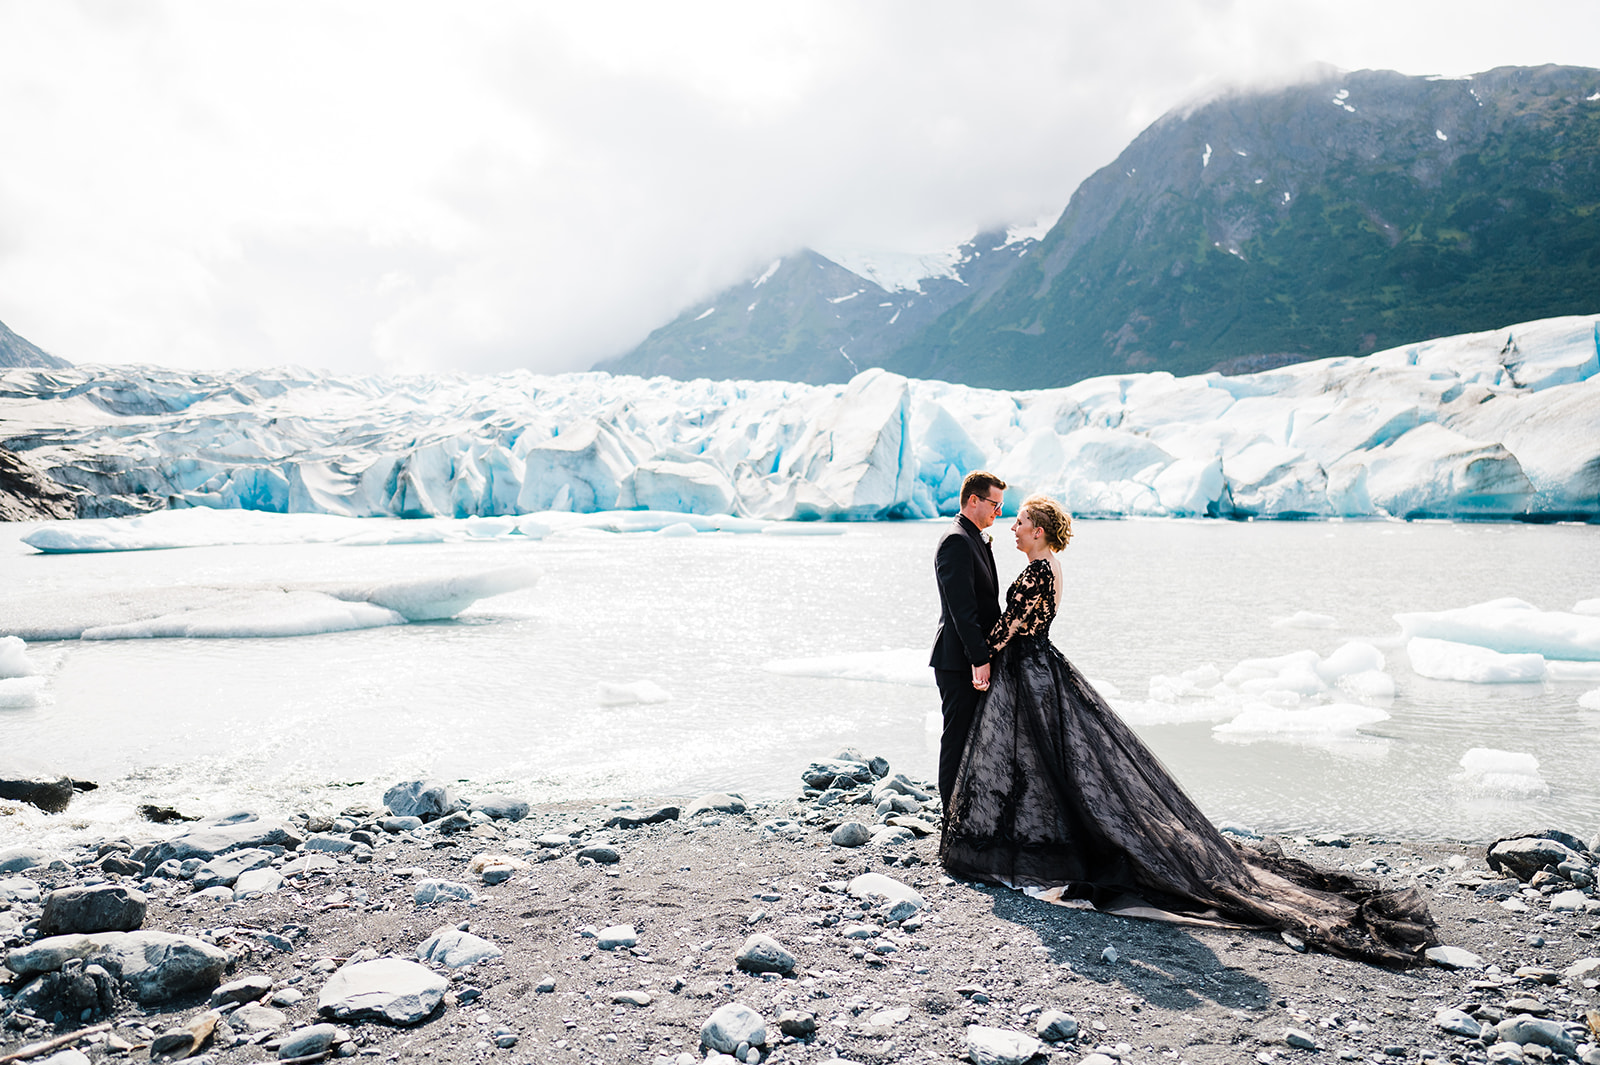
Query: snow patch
<point x="704" y="314"/>
<point x="1440" y="134"/>
<point x="767" y="274"/>
<point x="1205" y="157"/>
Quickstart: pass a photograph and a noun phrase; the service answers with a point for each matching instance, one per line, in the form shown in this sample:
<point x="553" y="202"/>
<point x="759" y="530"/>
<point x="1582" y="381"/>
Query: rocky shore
<point x="445" y="928"/>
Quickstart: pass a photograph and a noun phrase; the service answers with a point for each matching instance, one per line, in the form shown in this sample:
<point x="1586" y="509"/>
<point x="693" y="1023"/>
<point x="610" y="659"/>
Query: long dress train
<point x="1055" y="790"/>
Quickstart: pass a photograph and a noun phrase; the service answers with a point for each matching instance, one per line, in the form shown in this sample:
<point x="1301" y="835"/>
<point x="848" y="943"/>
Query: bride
<point x="1055" y="791"/>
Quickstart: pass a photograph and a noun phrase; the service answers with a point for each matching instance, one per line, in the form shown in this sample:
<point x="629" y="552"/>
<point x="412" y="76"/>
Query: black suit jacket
<point x="969" y="597"/>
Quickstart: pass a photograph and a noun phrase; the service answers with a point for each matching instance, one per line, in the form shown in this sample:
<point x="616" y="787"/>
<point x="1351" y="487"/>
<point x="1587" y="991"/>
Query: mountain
<point x="15" y="351"/>
<point x="809" y="318"/>
<point x="1337" y="216"/>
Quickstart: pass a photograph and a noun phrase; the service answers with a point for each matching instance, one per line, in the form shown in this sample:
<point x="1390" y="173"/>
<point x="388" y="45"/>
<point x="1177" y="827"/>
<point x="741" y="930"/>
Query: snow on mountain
<point x="899" y="271"/>
<point x="1497" y="425"/>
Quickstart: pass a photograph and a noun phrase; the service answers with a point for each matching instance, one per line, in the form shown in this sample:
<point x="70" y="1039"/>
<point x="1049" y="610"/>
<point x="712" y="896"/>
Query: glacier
<point x="1500" y="425"/>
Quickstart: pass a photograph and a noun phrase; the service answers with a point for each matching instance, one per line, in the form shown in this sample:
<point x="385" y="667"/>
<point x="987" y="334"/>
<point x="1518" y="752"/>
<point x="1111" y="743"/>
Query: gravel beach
<point x="446" y="930"/>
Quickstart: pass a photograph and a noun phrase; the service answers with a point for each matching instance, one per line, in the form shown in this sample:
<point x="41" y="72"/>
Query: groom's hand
<point x="980" y="677"/>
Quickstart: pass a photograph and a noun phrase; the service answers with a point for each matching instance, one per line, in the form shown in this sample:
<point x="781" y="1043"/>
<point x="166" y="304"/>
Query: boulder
<point x="1057" y="1027"/>
<point x="501" y="807"/>
<point x="876" y="885"/>
<point x="763" y="954"/>
<point x="731" y="1025"/>
<point x="999" y="1046"/>
<point x="309" y="1042"/>
<point x="717" y="802"/>
<point x="824" y="774"/>
<point x="1453" y="958"/>
<point x="49" y="793"/>
<point x="257" y="882"/>
<point x="100" y="908"/>
<point x="232" y="832"/>
<point x="1525" y="1028"/>
<point x="16" y="859"/>
<point x="245" y="989"/>
<point x="226" y="870"/>
<point x="390" y="990"/>
<point x="1524" y="857"/>
<point x="617" y="936"/>
<point x="1457" y="1022"/>
<point x="427" y="799"/>
<point x="456" y="949"/>
<point x="159" y="966"/>
<point x="18" y="889"/>
<point x="51" y="953"/>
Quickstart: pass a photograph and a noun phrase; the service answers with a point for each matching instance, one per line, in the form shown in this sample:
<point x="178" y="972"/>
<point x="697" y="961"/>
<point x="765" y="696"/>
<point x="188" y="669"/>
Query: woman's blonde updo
<point x="1048" y="516"/>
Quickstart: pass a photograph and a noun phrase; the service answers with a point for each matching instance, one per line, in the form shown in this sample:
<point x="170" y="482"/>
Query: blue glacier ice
<point x="1498" y="425"/>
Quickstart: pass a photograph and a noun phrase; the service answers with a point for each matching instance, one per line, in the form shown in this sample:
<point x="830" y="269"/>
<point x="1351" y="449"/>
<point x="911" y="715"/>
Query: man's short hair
<point x="978" y="483"/>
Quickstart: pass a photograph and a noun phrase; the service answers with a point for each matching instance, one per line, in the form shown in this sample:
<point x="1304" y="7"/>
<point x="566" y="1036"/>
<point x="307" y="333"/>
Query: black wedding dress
<point x="1055" y="791"/>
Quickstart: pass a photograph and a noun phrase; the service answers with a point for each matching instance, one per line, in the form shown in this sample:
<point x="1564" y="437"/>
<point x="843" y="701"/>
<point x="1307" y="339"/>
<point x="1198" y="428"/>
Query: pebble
<point x="245" y="989"/>
<point x="390" y="990"/>
<point x="632" y="998"/>
<point x="851" y="834"/>
<point x="1056" y="1027"/>
<point x="258" y="1018"/>
<point x="601" y="854"/>
<point x="1453" y="958"/>
<point x="431" y="891"/>
<point x="304" y="1042"/>
<point x="1458" y="1023"/>
<point x="456" y="949"/>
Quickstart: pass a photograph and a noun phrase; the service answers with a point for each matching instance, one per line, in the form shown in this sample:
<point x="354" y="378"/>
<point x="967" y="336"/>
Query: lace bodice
<point x="1030" y="605"/>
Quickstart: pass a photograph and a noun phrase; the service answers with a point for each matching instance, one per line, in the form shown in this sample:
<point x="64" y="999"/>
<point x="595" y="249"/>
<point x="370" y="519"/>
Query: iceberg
<point x="1494" y="425"/>
<point x="1445" y="660"/>
<point x="1511" y="627"/>
<point x="1502" y="774"/>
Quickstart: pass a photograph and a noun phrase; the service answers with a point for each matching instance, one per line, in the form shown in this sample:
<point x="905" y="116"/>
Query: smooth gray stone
<point x="601" y="854"/>
<point x="617" y="936"/>
<point x="632" y="998"/>
<point x="1056" y="1026"/>
<point x="209" y="839"/>
<point x="18" y="889"/>
<point x="329" y="844"/>
<point x="257" y="882"/>
<point x="307" y="864"/>
<point x="763" y="954"/>
<point x="797" y="1023"/>
<point x="876" y="885"/>
<point x="391" y="990"/>
<point x="226" y="869"/>
<point x="721" y="802"/>
<point x="160" y="966"/>
<point x="1457" y="1022"/>
<point x="1298" y="1039"/>
<point x="287" y="996"/>
<point x="999" y="1046"/>
<point x="100" y="908"/>
<point x="49" y="954"/>
<point x="1529" y="1029"/>
<point x="644" y="817"/>
<point x="1504" y="1054"/>
<point x="731" y="1025"/>
<point x="452" y="823"/>
<point x="1453" y="958"/>
<point x="16" y="859"/>
<point x="502" y="807"/>
<point x="304" y="1042"/>
<point x="455" y="949"/>
<point x="823" y="774"/>
<point x="851" y="834"/>
<point x="396" y="825"/>
<point x="427" y="799"/>
<point x="245" y="989"/>
<point x="1571" y="901"/>
<point x="430" y="891"/>
<point x="1524" y="857"/>
<point x="258" y="1018"/>
<point x="553" y="839"/>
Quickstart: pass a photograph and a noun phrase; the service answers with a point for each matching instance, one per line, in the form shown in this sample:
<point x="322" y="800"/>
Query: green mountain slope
<point x="1337" y="217"/>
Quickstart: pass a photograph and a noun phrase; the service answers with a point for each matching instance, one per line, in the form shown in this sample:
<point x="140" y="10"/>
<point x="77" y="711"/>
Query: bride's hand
<point x="980" y="677"/>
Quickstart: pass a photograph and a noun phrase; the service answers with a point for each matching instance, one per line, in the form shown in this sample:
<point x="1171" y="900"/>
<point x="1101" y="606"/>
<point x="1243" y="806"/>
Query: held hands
<point x="980" y="677"/>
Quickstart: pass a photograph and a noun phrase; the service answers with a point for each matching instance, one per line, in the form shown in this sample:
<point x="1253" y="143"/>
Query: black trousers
<point x="959" y="700"/>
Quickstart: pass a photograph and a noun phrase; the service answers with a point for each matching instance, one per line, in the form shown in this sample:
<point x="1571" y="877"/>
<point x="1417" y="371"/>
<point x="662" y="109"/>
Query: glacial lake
<point x="508" y="696"/>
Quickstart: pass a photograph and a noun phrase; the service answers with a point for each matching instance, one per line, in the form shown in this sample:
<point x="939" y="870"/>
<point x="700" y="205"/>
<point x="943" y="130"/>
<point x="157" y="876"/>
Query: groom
<point x="969" y="605"/>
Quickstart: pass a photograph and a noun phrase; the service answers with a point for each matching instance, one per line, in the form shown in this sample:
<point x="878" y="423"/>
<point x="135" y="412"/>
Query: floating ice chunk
<point x="1168" y="712"/>
<point x="1502" y="774"/>
<point x="804" y="528"/>
<point x="14" y="660"/>
<point x="677" y="529"/>
<point x="1295" y="672"/>
<point x="533" y="528"/>
<point x="640" y="691"/>
<point x="20" y="693"/>
<point x="1370" y="686"/>
<point x="898" y="666"/>
<point x="1336" y="720"/>
<point x="1558" y="670"/>
<point x="1587" y="606"/>
<point x="1511" y="626"/>
<point x="1590" y="700"/>
<point x="433" y="598"/>
<point x="1306" y="619"/>
<point x="1446" y="660"/>
<point x="1354" y="657"/>
<point x="263" y="613"/>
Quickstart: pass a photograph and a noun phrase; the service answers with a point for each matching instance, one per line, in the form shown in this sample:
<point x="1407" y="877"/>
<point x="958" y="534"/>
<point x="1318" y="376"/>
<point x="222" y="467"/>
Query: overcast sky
<point x="392" y="187"/>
